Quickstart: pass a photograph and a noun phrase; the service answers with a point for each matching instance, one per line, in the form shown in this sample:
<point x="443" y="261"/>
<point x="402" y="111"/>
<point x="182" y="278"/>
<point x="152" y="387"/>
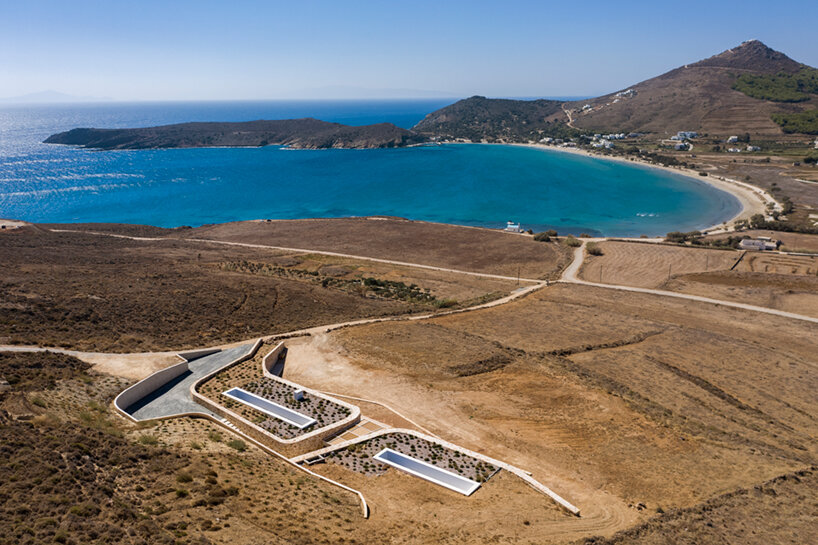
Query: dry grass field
<point x="439" y="245"/>
<point x="662" y="404"/>
<point x="772" y="280"/>
<point x="663" y="420"/>
<point x="648" y="265"/>
<point x="781" y="510"/>
<point x="787" y="292"/>
<point x="113" y="294"/>
<point x="794" y="265"/>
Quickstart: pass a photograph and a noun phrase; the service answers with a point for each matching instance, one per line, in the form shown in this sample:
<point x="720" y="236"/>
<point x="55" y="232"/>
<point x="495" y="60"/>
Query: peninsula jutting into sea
<point x="408" y="320"/>
<point x="638" y="124"/>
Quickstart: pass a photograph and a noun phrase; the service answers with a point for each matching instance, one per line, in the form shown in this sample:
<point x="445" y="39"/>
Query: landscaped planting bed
<point x="359" y="457"/>
<point x="324" y="411"/>
<point x="246" y="376"/>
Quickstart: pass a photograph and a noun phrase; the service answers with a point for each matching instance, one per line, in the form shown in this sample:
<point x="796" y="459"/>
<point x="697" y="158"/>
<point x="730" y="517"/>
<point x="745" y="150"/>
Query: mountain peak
<point x="755" y="56"/>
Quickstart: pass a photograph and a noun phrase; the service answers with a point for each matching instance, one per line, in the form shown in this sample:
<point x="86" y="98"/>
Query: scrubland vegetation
<point x="803" y="122"/>
<point x="781" y="87"/>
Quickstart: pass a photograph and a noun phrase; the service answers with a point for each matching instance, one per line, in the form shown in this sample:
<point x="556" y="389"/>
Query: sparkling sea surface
<point x="467" y="184"/>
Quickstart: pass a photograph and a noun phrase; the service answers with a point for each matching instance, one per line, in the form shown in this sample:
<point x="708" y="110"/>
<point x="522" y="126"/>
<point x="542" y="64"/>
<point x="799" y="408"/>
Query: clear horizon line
<point x="15" y="101"/>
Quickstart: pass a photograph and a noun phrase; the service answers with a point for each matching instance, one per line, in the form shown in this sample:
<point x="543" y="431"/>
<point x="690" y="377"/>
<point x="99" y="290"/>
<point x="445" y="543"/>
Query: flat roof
<point x="427" y="471"/>
<point x="271" y="408"/>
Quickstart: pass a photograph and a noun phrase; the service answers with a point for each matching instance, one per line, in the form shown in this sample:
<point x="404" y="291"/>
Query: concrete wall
<point x="196" y="354"/>
<point x="525" y="476"/>
<point x="147" y="385"/>
<point x="269" y="361"/>
<point x="265" y="448"/>
<point x="290" y="447"/>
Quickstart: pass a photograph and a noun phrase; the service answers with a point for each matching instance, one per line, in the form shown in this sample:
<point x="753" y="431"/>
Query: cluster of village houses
<point x="679" y="142"/>
<point x="758" y="243"/>
<point x="734" y="140"/>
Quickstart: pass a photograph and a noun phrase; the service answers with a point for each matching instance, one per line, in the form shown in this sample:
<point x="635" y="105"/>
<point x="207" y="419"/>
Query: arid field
<point x="111" y="294"/>
<point x="777" y="281"/>
<point x="662" y="419"/>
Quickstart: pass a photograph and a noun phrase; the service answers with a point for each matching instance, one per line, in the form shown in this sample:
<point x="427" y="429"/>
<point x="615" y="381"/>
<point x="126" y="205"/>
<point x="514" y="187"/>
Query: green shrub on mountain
<point x="804" y="122"/>
<point x="493" y="120"/>
<point x="781" y="87"/>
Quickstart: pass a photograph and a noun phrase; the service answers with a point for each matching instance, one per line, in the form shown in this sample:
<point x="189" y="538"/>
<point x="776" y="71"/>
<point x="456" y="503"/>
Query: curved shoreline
<point x="753" y="200"/>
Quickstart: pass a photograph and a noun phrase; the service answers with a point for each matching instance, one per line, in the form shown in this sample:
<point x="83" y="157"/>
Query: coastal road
<point x="571" y="276"/>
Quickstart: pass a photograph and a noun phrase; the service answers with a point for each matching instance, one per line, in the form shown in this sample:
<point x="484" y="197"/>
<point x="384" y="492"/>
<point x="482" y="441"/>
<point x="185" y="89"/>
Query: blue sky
<point x="155" y="50"/>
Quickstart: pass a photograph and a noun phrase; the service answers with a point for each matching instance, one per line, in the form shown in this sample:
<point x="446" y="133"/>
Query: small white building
<point x="816" y="143"/>
<point x="732" y="140"/>
<point x="758" y="244"/>
<point x="512" y="227"/>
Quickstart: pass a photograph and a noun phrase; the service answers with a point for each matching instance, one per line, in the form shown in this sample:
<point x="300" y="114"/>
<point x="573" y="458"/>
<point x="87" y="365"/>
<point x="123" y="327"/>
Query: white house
<point x="753" y="148"/>
<point x="732" y="140"/>
<point x="512" y="227"/>
<point x="756" y="244"/>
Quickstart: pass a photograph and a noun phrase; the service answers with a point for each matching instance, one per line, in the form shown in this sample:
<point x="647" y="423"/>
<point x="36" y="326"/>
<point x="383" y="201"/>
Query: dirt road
<point x="571" y="276"/>
<point x="307" y="251"/>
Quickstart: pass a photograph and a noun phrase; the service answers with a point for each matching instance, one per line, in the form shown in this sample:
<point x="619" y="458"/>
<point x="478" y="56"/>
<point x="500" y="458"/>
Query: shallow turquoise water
<point x="465" y="184"/>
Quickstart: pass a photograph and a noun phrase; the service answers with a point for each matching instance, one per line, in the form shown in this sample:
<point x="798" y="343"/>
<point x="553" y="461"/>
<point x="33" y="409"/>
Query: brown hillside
<point x="304" y="133"/>
<point x="697" y="97"/>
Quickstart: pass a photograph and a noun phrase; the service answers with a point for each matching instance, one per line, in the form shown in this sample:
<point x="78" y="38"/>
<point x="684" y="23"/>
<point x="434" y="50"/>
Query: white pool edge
<point x="468" y="491"/>
<point x="310" y="422"/>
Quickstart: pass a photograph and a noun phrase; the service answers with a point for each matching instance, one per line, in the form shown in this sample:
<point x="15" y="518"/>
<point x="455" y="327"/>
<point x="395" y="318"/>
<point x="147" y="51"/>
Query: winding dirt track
<point x="601" y="514"/>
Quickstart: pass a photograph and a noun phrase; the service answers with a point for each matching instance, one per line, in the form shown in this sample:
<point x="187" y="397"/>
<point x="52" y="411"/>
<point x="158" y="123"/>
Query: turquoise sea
<point x="466" y="184"/>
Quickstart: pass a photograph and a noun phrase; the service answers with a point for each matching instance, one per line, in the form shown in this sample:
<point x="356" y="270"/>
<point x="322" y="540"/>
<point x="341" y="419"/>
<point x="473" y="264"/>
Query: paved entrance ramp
<point x="173" y="398"/>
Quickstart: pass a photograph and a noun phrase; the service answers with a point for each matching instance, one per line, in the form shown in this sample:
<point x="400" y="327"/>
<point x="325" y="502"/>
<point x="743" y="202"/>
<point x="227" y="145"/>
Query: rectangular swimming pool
<point x="271" y="408"/>
<point x="421" y="469"/>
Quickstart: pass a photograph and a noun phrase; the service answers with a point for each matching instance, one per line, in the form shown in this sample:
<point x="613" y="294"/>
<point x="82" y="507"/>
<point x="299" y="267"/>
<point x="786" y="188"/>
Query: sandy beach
<point x="753" y="200"/>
